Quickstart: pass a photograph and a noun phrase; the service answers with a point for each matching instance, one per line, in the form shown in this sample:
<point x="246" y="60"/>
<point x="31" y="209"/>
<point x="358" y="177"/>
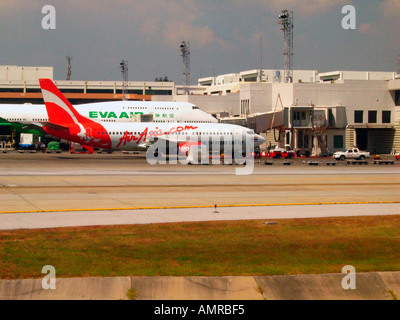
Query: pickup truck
<point x="352" y="153"/>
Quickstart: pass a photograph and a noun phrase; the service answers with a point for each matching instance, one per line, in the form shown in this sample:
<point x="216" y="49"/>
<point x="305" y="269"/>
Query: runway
<point x="47" y="182"/>
<point x="41" y="220"/>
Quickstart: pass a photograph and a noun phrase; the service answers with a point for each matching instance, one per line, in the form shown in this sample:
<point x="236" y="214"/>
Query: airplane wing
<point x="36" y="125"/>
<point x="53" y="126"/>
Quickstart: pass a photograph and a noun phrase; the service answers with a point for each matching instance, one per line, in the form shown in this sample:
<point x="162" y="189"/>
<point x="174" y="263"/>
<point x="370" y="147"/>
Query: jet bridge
<point x="262" y="122"/>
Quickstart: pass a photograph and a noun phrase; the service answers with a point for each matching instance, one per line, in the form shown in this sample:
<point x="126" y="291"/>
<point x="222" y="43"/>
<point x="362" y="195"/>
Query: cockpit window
<point x="195" y="107"/>
<point x="250" y="132"/>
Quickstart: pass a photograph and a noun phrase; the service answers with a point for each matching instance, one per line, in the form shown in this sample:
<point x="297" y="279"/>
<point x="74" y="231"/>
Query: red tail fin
<point x="59" y="109"/>
<point x="66" y="123"/>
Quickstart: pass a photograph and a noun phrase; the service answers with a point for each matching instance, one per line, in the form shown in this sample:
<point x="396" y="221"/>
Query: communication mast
<point x="69" y="58"/>
<point x="124" y="69"/>
<point x="286" y="20"/>
<point x="260" y="73"/>
<point x="398" y="64"/>
<point x="185" y="54"/>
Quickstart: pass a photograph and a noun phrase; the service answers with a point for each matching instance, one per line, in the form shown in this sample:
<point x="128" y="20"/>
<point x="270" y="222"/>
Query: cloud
<point x="303" y="8"/>
<point x="176" y="31"/>
<point x="385" y="22"/>
<point x="225" y="34"/>
<point x="7" y="5"/>
<point x="366" y="28"/>
<point x="309" y="7"/>
<point x="170" y="22"/>
<point x="390" y="9"/>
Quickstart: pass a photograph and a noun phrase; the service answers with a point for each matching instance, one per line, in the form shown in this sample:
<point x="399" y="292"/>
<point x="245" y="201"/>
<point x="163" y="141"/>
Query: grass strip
<point x="293" y="246"/>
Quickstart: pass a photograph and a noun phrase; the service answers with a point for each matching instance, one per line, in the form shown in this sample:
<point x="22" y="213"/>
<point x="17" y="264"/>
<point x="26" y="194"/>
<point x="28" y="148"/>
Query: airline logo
<point x="112" y="115"/>
<point x="124" y="115"/>
<point x="164" y="115"/>
<point x="128" y="137"/>
<point x="142" y="137"/>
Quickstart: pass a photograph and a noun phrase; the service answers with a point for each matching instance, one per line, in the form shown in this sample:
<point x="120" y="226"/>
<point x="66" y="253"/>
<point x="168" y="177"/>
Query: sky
<point x="224" y="36"/>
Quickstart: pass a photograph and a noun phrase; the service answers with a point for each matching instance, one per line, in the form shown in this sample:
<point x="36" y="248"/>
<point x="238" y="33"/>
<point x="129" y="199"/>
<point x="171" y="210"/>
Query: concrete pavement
<point x="64" y="182"/>
<point x="369" y="286"/>
<point x="38" y="220"/>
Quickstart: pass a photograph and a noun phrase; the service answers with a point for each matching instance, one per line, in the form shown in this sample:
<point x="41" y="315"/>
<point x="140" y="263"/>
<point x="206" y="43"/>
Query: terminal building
<point x="317" y="113"/>
<point x="20" y="85"/>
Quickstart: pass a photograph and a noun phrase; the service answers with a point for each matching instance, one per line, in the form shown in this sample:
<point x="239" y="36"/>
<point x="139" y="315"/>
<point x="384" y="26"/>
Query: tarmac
<point x="43" y="220"/>
<point x="46" y="182"/>
<point x="61" y="190"/>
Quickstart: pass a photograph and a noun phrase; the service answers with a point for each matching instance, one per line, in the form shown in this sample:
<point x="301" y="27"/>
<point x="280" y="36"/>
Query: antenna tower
<point x="185" y="54"/>
<point x="69" y="58"/>
<point x="261" y="60"/>
<point x="398" y="64"/>
<point x="124" y="69"/>
<point x="286" y="20"/>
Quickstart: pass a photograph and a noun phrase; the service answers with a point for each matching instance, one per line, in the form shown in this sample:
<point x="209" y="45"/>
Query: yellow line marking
<point x="203" y="185"/>
<point x="205" y="206"/>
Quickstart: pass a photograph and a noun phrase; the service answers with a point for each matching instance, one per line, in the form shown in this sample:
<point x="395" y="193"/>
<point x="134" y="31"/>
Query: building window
<point x="331" y="118"/>
<point x="358" y="116"/>
<point x="338" y="142"/>
<point x="386" y="117"/>
<point x="372" y="116"/>
<point x="245" y="107"/>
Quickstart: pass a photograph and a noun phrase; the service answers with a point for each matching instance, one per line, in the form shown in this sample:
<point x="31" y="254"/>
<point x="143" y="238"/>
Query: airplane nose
<point x="261" y="140"/>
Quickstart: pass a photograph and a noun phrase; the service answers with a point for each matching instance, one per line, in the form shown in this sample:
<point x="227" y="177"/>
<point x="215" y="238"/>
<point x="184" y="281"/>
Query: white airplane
<point x="65" y="122"/>
<point x="115" y="111"/>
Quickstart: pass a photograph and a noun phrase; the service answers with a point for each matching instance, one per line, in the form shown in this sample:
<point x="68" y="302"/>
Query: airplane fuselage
<point x="115" y="111"/>
<point x="138" y="136"/>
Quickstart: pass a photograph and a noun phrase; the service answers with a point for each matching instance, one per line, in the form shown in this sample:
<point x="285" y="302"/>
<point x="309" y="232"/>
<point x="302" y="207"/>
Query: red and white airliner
<point x="66" y="123"/>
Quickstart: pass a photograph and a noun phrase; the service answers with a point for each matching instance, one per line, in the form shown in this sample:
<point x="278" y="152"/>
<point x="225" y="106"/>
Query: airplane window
<point x="195" y="107"/>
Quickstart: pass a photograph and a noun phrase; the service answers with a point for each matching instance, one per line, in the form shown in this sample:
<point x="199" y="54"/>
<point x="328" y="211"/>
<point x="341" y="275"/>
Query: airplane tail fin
<point x="59" y="109"/>
<point x="66" y="123"/>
